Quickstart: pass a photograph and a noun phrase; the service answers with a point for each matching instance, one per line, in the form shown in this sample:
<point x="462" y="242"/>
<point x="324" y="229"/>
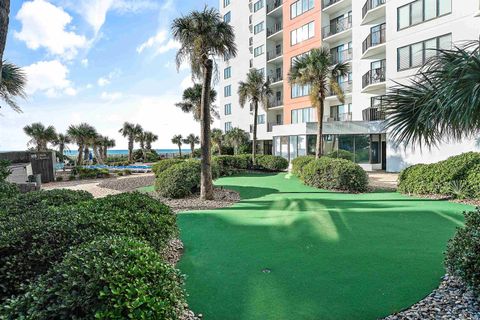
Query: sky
<point x="103" y="62"/>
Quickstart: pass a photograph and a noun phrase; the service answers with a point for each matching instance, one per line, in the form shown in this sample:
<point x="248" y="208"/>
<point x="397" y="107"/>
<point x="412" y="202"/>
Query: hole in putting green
<point x="267" y="270"/>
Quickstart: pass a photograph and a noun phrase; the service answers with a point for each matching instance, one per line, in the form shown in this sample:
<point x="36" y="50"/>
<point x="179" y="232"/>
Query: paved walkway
<point x="380" y="179"/>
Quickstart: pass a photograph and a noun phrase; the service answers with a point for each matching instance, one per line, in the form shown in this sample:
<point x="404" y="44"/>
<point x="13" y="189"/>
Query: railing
<point x="373" y="76"/>
<point x="276" y="78"/>
<point x="347" y="116"/>
<point x="272" y="54"/>
<point x="373" y="114"/>
<point x="337" y="26"/>
<point x="346" y="87"/>
<point x="276" y="103"/>
<point x="328" y="3"/>
<point x="277" y="27"/>
<point x="374" y="39"/>
<point x="342" y="56"/>
<point x="371" y="4"/>
<point x="272" y="5"/>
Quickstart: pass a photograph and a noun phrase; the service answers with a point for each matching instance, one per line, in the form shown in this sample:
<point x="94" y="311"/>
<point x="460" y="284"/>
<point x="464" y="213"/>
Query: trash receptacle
<point x="38" y="180"/>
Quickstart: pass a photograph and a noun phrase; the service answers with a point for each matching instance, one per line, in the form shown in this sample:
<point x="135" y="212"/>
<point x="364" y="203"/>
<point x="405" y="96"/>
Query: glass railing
<point x="374" y="39"/>
<point x="346" y="87"/>
<point x="328" y="3"/>
<point x="272" y="5"/>
<point x="371" y="4"/>
<point x="337" y="26"/>
<point x="342" y="56"/>
<point x="277" y="27"/>
<point x="275" y="78"/>
<point x="273" y="54"/>
<point x="276" y="103"/>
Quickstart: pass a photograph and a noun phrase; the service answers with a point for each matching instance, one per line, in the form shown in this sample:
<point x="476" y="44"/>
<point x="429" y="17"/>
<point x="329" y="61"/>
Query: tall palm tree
<point x="81" y="134"/>
<point x="192" y="140"/>
<point x="236" y="137"/>
<point x="192" y="100"/>
<point x="257" y="91"/>
<point x="62" y="141"/>
<point x="317" y="70"/>
<point x="96" y="143"/>
<point x="12" y="84"/>
<point x="130" y="131"/>
<point x="442" y="102"/>
<point x="217" y="139"/>
<point x="4" y="20"/>
<point x="150" y="137"/>
<point x="203" y="36"/>
<point x="178" y="140"/>
<point x="40" y="135"/>
<point x="141" y="138"/>
<point x="106" y="144"/>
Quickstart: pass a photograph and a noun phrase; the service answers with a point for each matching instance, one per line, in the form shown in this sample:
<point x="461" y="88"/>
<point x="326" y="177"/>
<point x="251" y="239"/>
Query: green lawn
<point x="330" y="255"/>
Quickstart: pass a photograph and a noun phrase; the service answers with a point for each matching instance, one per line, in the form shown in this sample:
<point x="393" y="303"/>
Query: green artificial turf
<point x="329" y="255"/>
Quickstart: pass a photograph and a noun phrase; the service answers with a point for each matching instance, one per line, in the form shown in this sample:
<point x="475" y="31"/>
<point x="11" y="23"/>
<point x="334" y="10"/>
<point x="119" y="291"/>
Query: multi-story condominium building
<point x="383" y="41"/>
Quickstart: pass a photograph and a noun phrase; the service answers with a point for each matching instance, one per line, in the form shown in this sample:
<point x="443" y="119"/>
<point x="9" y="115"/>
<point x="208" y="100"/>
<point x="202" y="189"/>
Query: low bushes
<point x="341" y="154"/>
<point x="90" y="173"/>
<point x="457" y="177"/>
<point x="229" y="165"/>
<point x="163" y="165"/>
<point x="299" y="163"/>
<point x="271" y="163"/>
<point x="7" y="190"/>
<point x="335" y="174"/>
<point x="462" y="257"/>
<point x="113" y="278"/>
<point x="31" y="242"/>
<point x="179" y="180"/>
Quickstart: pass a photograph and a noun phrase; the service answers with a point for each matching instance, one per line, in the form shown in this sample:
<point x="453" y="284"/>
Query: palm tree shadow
<point x="248" y="193"/>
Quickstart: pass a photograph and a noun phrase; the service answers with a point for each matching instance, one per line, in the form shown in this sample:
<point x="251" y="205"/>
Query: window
<point x="261" y="119"/>
<point x="258" y="51"/>
<point x="300" y="91"/>
<point x="228" y="109"/>
<point x="420" y="11"/>
<point x="228" y="126"/>
<point x="227" y="91"/>
<point x="303" y="115"/>
<point x="227" y="17"/>
<point x="226" y="3"/>
<point x="415" y="55"/>
<point x="303" y="33"/>
<point x="298" y="57"/>
<point x="227" y="73"/>
<point x="257" y="5"/>
<point x="300" y="7"/>
<point x="258" y="28"/>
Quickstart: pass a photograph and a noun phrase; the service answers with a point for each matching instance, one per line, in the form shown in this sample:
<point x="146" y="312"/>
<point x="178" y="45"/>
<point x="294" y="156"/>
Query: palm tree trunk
<point x="219" y="148"/>
<point x="206" y="183"/>
<point x="130" y="149"/>
<point x="97" y="155"/>
<point x="105" y="153"/>
<point x="80" y="155"/>
<point x="255" y="120"/>
<point x="86" y="153"/>
<point x="180" y="150"/>
<point x="192" y="148"/>
<point x="62" y="150"/>
<point x="4" y="19"/>
<point x="319" y="151"/>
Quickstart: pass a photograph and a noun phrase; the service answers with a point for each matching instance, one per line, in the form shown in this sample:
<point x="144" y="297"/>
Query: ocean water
<point x="125" y="152"/>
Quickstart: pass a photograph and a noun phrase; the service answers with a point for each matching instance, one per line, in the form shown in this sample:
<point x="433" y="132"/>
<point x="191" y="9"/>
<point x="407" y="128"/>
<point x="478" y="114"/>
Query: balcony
<point x="374" y="79"/>
<point x="275" y="79"/>
<point x="347" y="116"/>
<point x="276" y="103"/>
<point x="342" y="56"/>
<point x="338" y="29"/>
<point x="374" y="43"/>
<point x="373" y="114"/>
<point x="372" y="10"/>
<point x="346" y="87"/>
<point x="273" y="31"/>
<point x="272" y="7"/>
<point x="270" y="126"/>
<point x="274" y="54"/>
<point x="334" y="6"/>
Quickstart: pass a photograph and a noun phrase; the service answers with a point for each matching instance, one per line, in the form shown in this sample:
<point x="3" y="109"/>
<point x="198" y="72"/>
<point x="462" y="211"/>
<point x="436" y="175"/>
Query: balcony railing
<point x="274" y="29"/>
<point x="373" y="76"/>
<point x="346" y="87"/>
<point x="342" y="56"/>
<point x="337" y="26"/>
<point x="374" y="39"/>
<point x="275" y="78"/>
<point x="347" y="116"/>
<point x="276" y="103"/>
<point x="373" y="114"/>
<point x="272" y="5"/>
<point x="371" y="4"/>
<point x="328" y="3"/>
<point x="273" y="54"/>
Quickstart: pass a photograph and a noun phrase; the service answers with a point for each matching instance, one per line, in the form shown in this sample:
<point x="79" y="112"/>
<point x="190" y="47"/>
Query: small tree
<point x="192" y="102"/>
<point x="236" y="138"/>
<point x="40" y="135"/>
<point x="178" y="140"/>
<point x="217" y="139"/>
<point x="131" y="131"/>
<point x="192" y="140"/>
<point x="62" y="141"/>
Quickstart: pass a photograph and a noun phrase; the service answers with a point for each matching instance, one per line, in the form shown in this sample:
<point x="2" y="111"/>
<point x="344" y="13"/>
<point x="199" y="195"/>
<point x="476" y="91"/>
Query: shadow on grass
<point x="248" y="193"/>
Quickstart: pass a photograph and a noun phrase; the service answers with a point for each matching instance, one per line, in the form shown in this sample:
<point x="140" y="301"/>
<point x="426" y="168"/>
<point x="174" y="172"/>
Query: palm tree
<point x="13" y="82"/>
<point x="130" y="131"/>
<point x="62" y="141"/>
<point x="203" y="36"/>
<point x="317" y="70"/>
<point x="106" y="144"/>
<point x="96" y="143"/>
<point x="178" y="140"/>
<point x="441" y="102"/>
<point x="217" y="139"/>
<point x="192" y="99"/>
<point x="236" y="137"/>
<point x="192" y="140"/>
<point x="150" y="137"/>
<point x="40" y="135"/>
<point x="4" y="20"/>
<point x="257" y="91"/>
<point x="81" y="134"/>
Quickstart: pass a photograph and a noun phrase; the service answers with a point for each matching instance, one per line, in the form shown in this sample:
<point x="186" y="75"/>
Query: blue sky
<point x="98" y="61"/>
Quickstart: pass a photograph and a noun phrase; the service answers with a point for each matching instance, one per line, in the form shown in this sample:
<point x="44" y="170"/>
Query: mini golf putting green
<point x="288" y="251"/>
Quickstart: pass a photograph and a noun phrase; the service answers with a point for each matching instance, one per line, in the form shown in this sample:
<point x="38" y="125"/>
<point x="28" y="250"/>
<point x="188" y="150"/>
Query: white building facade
<point x="384" y="41"/>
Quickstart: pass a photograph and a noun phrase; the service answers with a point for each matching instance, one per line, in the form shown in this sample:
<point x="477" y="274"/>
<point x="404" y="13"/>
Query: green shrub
<point x="335" y="174"/>
<point x="229" y="165"/>
<point x="7" y="190"/>
<point x="152" y="156"/>
<point x="180" y="180"/>
<point x="163" y="165"/>
<point x="462" y="257"/>
<point x="473" y="182"/>
<point x="271" y="163"/>
<point x="90" y="173"/>
<point x="437" y="178"/>
<point x="127" y="172"/>
<point x="341" y="154"/>
<point x="4" y="170"/>
<point x="120" y="173"/>
<point x="114" y="278"/>
<point x="31" y="242"/>
<point x="59" y="179"/>
<point x="36" y="200"/>
<point x="299" y="163"/>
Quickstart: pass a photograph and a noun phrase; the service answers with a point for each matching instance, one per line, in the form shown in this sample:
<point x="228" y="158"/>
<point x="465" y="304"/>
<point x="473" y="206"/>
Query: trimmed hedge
<point x="299" y="163"/>
<point x="31" y="242"/>
<point x="229" y="165"/>
<point x="163" y="165"/>
<point x="179" y="180"/>
<point x="43" y="199"/>
<point x="7" y="190"/>
<point x="341" y="154"/>
<point x="462" y="257"/>
<point x="115" y="278"/>
<point x="440" y="178"/>
<point x="90" y="173"/>
<point x="335" y="174"/>
<point x="271" y="163"/>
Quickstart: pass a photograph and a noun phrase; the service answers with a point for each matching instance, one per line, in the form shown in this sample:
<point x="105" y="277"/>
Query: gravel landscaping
<point x="450" y="301"/>
<point x="129" y="183"/>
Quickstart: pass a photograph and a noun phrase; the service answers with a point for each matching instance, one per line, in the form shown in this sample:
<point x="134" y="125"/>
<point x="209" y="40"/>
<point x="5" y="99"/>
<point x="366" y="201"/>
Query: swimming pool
<point x="129" y="167"/>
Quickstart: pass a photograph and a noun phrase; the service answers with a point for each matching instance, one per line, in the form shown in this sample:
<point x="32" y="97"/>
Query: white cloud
<point x="49" y="77"/>
<point x="102" y="82"/>
<point x="84" y="62"/>
<point x="160" y="42"/>
<point x="106" y="80"/>
<point x="45" y="25"/>
<point x="186" y="83"/>
<point x="111" y="96"/>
